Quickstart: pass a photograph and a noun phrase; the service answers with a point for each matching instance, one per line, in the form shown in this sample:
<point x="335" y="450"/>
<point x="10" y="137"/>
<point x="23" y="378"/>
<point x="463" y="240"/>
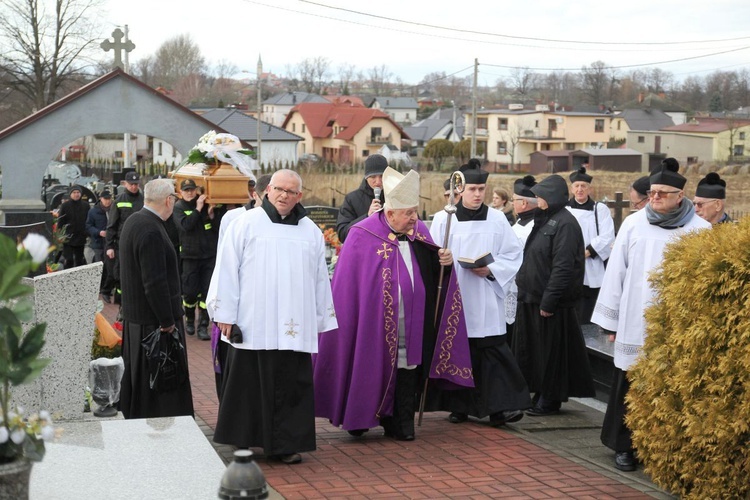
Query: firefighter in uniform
<point x="126" y="203"/>
<point x="198" y="224"/>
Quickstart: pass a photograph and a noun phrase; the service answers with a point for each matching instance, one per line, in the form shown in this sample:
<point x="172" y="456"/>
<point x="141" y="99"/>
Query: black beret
<point x="712" y="186"/>
<point x="668" y="174"/>
<point x="522" y="187"/>
<point x="642" y="185"/>
<point x="473" y="172"/>
<point x="580" y="175"/>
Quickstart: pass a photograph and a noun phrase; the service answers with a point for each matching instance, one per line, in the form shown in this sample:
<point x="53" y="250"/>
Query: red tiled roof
<point x="708" y="125"/>
<point x="318" y="116"/>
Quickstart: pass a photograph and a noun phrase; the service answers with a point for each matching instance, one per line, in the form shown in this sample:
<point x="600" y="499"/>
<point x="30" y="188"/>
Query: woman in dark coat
<point x="548" y="343"/>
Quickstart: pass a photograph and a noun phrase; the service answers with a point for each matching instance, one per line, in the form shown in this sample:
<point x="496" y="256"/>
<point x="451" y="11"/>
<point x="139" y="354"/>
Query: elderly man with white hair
<point x="151" y="299"/>
<point x="388" y="342"/>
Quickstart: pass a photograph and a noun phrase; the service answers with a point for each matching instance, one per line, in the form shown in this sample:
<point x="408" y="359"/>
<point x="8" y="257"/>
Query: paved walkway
<point x="551" y="457"/>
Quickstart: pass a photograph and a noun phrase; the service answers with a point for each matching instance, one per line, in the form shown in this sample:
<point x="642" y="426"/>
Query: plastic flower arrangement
<point x="215" y="148"/>
<point x="21" y="437"/>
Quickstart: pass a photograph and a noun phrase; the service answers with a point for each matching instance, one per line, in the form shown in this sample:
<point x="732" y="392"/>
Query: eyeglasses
<point x="638" y="203"/>
<point x="660" y="194"/>
<point x="174" y="196"/>
<point x="290" y="192"/>
<point x="699" y="204"/>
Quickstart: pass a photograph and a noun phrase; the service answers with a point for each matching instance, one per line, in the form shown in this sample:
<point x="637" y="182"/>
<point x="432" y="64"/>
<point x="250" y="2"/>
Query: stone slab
<point x="128" y="460"/>
<point x="67" y="301"/>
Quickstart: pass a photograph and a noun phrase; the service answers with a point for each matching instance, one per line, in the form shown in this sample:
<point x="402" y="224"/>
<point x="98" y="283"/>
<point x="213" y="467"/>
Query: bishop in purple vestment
<point x="369" y="371"/>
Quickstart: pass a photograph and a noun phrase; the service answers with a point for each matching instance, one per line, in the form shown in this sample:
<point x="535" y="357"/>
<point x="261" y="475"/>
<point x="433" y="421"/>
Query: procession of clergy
<point x="413" y="320"/>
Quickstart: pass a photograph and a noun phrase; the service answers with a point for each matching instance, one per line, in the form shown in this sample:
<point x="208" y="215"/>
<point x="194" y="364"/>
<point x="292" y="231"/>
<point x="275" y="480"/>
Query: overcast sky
<point x="414" y="38"/>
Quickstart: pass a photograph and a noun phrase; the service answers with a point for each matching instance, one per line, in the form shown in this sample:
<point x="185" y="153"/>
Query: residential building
<point x="342" y="133"/>
<point x="660" y="102"/>
<point x="403" y="110"/>
<point x="509" y="136"/>
<point x="699" y="140"/>
<point x="278" y="146"/>
<point x="446" y="123"/>
<point x="277" y="107"/>
<point x="637" y="119"/>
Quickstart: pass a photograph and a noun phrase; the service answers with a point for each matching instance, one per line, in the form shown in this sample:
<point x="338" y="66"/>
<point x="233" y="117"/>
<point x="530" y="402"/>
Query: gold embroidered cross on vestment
<point x="385" y="252"/>
<point x="291" y="332"/>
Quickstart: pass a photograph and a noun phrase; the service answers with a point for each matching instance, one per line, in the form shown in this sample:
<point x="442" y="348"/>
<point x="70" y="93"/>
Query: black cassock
<point x="267" y="401"/>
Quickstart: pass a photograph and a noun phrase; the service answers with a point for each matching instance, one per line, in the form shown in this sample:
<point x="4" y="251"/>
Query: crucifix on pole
<point x="118" y="46"/>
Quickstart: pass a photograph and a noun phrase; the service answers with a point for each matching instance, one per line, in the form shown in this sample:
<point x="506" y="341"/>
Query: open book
<point x="481" y="261"/>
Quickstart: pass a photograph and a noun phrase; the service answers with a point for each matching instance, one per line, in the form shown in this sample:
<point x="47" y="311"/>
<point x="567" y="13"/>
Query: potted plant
<point x="21" y="436"/>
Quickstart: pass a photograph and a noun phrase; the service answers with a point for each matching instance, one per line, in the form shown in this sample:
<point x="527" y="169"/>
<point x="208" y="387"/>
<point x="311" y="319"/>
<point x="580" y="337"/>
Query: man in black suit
<point x="151" y="300"/>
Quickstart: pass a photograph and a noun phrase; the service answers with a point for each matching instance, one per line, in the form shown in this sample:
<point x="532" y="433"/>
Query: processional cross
<point x="118" y="46"/>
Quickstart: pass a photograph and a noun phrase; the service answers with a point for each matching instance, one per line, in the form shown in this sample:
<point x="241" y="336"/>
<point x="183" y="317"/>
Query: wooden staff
<point x="458" y="182"/>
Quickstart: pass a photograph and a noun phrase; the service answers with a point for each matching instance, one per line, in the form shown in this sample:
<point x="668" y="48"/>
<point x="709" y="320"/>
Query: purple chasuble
<point x="355" y="368"/>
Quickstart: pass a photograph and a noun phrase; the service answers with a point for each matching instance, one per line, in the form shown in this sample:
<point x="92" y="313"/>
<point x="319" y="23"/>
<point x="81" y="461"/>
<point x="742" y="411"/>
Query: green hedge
<point x="689" y="403"/>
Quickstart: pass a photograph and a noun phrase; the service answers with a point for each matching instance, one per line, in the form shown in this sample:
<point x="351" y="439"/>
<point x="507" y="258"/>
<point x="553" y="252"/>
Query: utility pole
<point x="126" y="137"/>
<point x="474" y="111"/>
<point x="260" y="107"/>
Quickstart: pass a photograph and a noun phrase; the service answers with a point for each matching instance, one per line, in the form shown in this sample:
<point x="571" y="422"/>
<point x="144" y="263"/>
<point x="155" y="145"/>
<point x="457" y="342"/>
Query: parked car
<point x="309" y="158"/>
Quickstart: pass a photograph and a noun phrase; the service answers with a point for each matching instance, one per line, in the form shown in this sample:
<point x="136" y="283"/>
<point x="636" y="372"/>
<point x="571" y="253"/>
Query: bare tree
<point x="346" y="75"/>
<point x="321" y="74"/>
<point x="511" y="137"/>
<point x="176" y="59"/>
<point x="523" y="81"/>
<point x="453" y="88"/>
<point x="143" y="69"/>
<point x="596" y="83"/>
<point x="380" y="76"/>
<point x="43" y="51"/>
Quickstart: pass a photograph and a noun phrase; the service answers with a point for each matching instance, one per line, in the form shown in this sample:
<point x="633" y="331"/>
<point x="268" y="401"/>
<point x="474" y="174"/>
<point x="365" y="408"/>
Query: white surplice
<point x="483" y="299"/>
<point x="272" y="281"/>
<point x="626" y="292"/>
<point x="511" y="300"/>
<point x="601" y="240"/>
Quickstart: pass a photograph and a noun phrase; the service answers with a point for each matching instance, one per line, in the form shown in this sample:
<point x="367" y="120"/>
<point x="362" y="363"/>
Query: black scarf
<point x="297" y="214"/>
<point x="463" y="214"/>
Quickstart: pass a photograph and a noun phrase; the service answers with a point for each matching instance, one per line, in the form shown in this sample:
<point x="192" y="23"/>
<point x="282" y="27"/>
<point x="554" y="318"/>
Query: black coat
<point x="96" y="221"/>
<point x="553" y="260"/>
<point x="199" y="234"/>
<point x="123" y="207"/>
<point x="72" y="216"/>
<point x="354" y="209"/>
<point x="150" y="279"/>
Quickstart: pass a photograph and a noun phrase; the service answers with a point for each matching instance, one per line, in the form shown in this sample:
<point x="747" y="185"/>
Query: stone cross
<point x="118" y="46"/>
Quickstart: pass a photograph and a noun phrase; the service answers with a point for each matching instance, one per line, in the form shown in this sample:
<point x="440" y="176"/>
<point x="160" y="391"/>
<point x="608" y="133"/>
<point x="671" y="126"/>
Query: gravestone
<point x="601" y="353"/>
<point x="67" y="301"/>
<point x="324" y="217"/>
<point x="126" y="459"/>
<point x="19" y="224"/>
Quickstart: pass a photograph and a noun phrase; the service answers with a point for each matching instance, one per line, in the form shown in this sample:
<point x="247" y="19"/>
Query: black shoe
<point x="357" y="432"/>
<point x="625" y="461"/>
<point x="457" y="417"/>
<point x="105" y="298"/>
<point x="542" y="411"/>
<point x="203" y="333"/>
<point x="399" y="437"/>
<point x="505" y="417"/>
<point x="289" y="459"/>
<point x="190" y="329"/>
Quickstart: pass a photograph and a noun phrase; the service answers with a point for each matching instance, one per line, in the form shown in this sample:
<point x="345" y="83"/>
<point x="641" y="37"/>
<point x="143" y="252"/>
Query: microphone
<point x="377" y="192"/>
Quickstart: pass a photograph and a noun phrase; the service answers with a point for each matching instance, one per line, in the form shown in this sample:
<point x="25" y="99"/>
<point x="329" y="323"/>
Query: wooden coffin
<point x="222" y="183"/>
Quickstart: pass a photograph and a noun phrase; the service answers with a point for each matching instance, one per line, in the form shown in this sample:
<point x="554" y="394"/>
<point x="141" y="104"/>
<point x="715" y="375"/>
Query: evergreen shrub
<point x="689" y="401"/>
